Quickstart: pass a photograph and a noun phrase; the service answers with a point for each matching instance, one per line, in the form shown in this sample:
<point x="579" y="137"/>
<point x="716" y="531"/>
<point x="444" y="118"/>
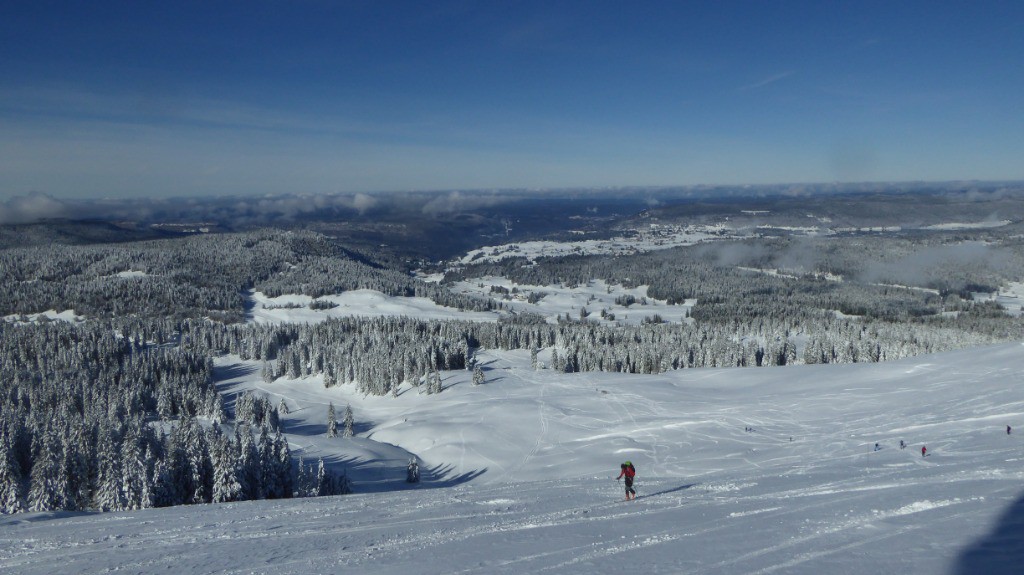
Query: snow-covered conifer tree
<point x="269" y="478"/>
<point x="323" y="481"/>
<point x="10" y="480"/>
<point x="332" y="422"/>
<point x="284" y="466"/>
<point x="109" y="495"/>
<point x="248" y="463"/>
<point x="348" y="429"/>
<point x="223" y="455"/>
<point x="47" y="489"/>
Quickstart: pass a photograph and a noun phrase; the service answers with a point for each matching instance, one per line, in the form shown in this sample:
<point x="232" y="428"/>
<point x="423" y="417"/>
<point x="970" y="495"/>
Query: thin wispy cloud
<point x="767" y="81"/>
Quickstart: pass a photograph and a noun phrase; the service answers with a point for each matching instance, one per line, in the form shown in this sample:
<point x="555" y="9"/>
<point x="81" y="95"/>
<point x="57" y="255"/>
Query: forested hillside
<point x="196" y="276"/>
<point x="118" y="409"/>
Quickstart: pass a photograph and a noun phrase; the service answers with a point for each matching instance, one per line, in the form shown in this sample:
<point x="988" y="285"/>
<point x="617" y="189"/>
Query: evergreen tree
<point x="324" y="485"/>
<point x="284" y="466"/>
<point x="136" y="483"/>
<point x="10" y="480"/>
<point x="332" y="421"/>
<point x="226" y="486"/>
<point x="47" y="489"/>
<point x="109" y="493"/>
<point x="270" y="479"/>
<point x="248" y="470"/>
<point x="349" y="423"/>
<point x="166" y="492"/>
<point x="304" y="486"/>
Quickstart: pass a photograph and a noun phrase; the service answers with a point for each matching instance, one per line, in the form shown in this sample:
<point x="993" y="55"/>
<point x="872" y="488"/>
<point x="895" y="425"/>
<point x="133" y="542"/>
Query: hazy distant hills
<point x="431" y="226"/>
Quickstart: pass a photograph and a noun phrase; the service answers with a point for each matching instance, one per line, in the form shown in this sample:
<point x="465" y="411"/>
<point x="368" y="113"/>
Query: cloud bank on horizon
<point x="194" y="99"/>
<point x="244" y="210"/>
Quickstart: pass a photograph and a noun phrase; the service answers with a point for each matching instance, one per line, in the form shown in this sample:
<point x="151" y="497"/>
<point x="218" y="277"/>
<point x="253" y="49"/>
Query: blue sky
<point x="133" y="99"/>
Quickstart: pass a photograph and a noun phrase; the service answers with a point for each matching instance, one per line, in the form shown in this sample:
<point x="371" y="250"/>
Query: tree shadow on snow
<point x="440" y="476"/>
<point x="223" y="373"/>
<point x="248" y="305"/>
<point x="381" y="475"/>
<point x="34" y="517"/>
<point x="314" y="429"/>
<point x="305" y="429"/>
<point x="1001" y="551"/>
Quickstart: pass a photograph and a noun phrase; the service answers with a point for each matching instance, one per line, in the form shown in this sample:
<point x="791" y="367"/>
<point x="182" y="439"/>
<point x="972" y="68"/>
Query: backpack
<point x="632" y="470"/>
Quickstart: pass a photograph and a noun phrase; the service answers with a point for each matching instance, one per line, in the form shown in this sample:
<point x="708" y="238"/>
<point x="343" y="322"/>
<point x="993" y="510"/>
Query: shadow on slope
<point x="32" y="517"/>
<point x="666" y="491"/>
<point x="229" y="380"/>
<point x="320" y="428"/>
<point x="381" y="475"/>
<point x="441" y="476"/>
<point x="1001" y="551"/>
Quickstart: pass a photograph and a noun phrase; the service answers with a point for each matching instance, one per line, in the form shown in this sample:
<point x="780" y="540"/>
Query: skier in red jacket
<point x="924" y="451"/>
<point x="629" y="472"/>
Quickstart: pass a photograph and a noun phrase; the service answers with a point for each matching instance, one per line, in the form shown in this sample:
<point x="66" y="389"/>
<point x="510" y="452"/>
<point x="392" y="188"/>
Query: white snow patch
<point x="131" y="274"/>
<point x="67" y="315"/>
<point x="355" y="303"/>
<point x="594" y="296"/>
<point x="655" y="237"/>
<point x="968" y="226"/>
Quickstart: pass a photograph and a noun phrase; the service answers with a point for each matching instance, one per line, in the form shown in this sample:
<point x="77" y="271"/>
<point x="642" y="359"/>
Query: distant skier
<point x="924" y="451"/>
<point x="903" y="444"/>
<point x="629" y="472"/>
<point x="877" y="447"/>
<point x="1007" y="430"/>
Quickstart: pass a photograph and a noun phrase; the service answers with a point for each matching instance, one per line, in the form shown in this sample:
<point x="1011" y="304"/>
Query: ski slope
<point x="518" y="477"/>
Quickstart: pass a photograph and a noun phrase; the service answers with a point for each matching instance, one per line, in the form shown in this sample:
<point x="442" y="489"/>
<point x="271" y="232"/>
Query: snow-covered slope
<point x="520" y="478"/>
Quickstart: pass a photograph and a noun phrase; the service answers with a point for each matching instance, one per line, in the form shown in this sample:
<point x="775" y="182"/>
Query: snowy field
<point x="1011" y="297"/>
<point x="362" y="303"/>
<point x="67" y="315"/>
<point x="595" y="296"/>
<point x="759" y="470"/>
<point x="654" y="237"/>
<point x="557" y="300"/>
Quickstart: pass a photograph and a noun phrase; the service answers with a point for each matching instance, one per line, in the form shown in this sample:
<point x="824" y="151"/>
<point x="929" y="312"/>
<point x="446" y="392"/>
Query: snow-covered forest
<point x="220" y="368"/>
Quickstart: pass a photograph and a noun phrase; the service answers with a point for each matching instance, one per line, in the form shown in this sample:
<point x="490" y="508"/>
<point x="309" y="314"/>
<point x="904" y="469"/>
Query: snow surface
<point x="131" y="274"/>
<point x="1011" y="297"/>
<point x="67" y="315"/>
<point x="594" y="296"/>
<point x="559" y="300"/>
<point x="362" y="303"/>
<point x="654" y="237"/>
<point x="968" y="226"/>
<point x="519" y="478"/>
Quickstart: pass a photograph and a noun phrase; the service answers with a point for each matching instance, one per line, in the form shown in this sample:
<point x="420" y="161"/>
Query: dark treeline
<point x="196" y="276"/>
<point x="377" y="355"/>
<point x="80" y="425"/>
